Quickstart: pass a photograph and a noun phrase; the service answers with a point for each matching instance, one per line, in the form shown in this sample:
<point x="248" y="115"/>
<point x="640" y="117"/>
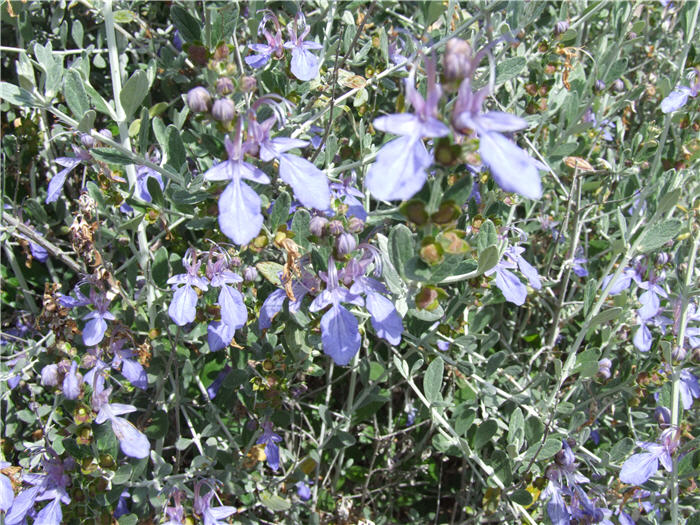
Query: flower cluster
<point x="304" y="64"/>
<point x="400" y="170"/>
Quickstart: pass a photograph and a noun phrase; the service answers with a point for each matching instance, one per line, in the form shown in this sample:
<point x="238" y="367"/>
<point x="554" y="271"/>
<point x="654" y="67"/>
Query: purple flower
<point x="203" y="506"/>
<point x="270" y="439"/>
<point x="623" y="281"/>
<point x="309" y="183"/>
<point x="69" y="164"/>
<point x="604" y="368"/>
<point x="72" y="382"/>
<point x="640" y="467"/>
<point x="510" y="285"/>
<point x="122" y="507"/>
<point x="213" y="389"/>
<point x="183" y="307"/>
<point x="175" y="513"/>
<point x="303" y="491"/>
<point x="275" y="301"/>
<point x="130" y="367"/>
<point x="304" y="65"/>
<point x="399" y="172"/>
<point x="239" y="206"/>
<point x="650" y="298"/>
<point x="131" y="440"/>
<point x="233" y="310"/>
<point x="689" y="387"/>
<point x="51" y="485"/>
<point x="7" y="495"/>
<point x="350" y="196"/>
<point x="263" y="52"/>
<point x="679" y="96"/>
<point x="94" y="330"/>
<point x="339" y="328"/>
<point x="511" y="167"/>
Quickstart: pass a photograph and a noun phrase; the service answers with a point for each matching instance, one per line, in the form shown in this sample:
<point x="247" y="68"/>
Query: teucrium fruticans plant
<point x="331" y="262"/>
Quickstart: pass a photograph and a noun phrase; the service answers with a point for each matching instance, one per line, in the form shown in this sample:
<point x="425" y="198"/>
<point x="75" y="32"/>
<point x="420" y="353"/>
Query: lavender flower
<point x="239" y="206"/>
<point x="511" y="167"/>
<point x="310" y="184"/>
<point x="679" y="96"/>
<point x="304" y="65"/>
<point x="203" y="506"/>
<point x="640" y="467"/>
<point x="130" y="367"/>
<point x="689" y="388"/>
<point x="132" y="442"/>
<point x="303" y="491"/>
<point x="399" y="172"/>
<point x="72" y="382"/>
<point x="183" y="307"/>
<point x="94" y="330"/>
<point x="175" y="513"/>
<point x="233" y="310"/>
<point x="69" y="164"/>
<point x="339" y="328"/>
<point x="510" y="285"/>
<point x="274" y="302"/>
<point x="7" y="495"/>
<point x="274" y="46"/>
<point x="50" y="485"/>
<point x="270" y="439"/>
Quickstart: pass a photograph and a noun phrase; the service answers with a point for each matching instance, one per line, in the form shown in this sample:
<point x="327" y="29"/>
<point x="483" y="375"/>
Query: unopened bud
<point x="223" y="110"/>
<point x="599" y="85"/>
<point x="457" y="60"/>
<point x="355" y="225"/>
<point x="604" y="368"/>
<point x="561" y="27"/>
<point x="250" y="274"/>
<point x="662" y="416"/>
<point x="224" y="86"/>
<point x="317" y="224"/>
<point x="618" y="85"/>
<point x="87" y="140"/>
<point x="345" y="244"/>
<point x="248" y="84"/>
<point x="198" y="99"/>
<point x="335" y="227"/>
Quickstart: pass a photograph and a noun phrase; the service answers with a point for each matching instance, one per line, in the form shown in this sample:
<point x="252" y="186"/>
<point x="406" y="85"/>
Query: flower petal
<point x="239" y="212"/>
<point x="183" y="307"/>
<point x="94" y="331"/>
<point x="639" y="468"/>
<point x="512" y="168"/>
<point x="131" y="440"/>
<point x="233" y="310"/>
<point x="304" y="64"/>
<point x="219" y="335"/>
<point x="399" y="172"/>
<point x="385" y="319"/>
<point x="51" y="514"/>
<point x="271" y="307"/>
<point x="512" y="288"/>
<point x="340" y="335"/>
<point x="309" y="183"/>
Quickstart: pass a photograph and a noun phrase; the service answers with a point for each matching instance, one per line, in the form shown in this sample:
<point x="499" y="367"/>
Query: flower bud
<point x="198" y="99"/>
<point x="250" y="274"/>
<point x="224" y="86"/>
<point x="604" y="368"/>
<point x="317" y="224"/>
<point x="618" y="85"/>
<point x="248" y="84"/>
<point x="87" y="140"/>
<point x="49" y="375"/>
<point x="663" y="258"/>
<point x="599" y="85"/>
<point x="223" y="110"/>
<point x="457" y="60"/>
<point x="561" y="27"/>
<point x="662" y="416"/>
<point x="345" y="244"/>
<point x="335" y="227"/>
<point x="236" y="261"/>
<point x="355" y="225"/>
